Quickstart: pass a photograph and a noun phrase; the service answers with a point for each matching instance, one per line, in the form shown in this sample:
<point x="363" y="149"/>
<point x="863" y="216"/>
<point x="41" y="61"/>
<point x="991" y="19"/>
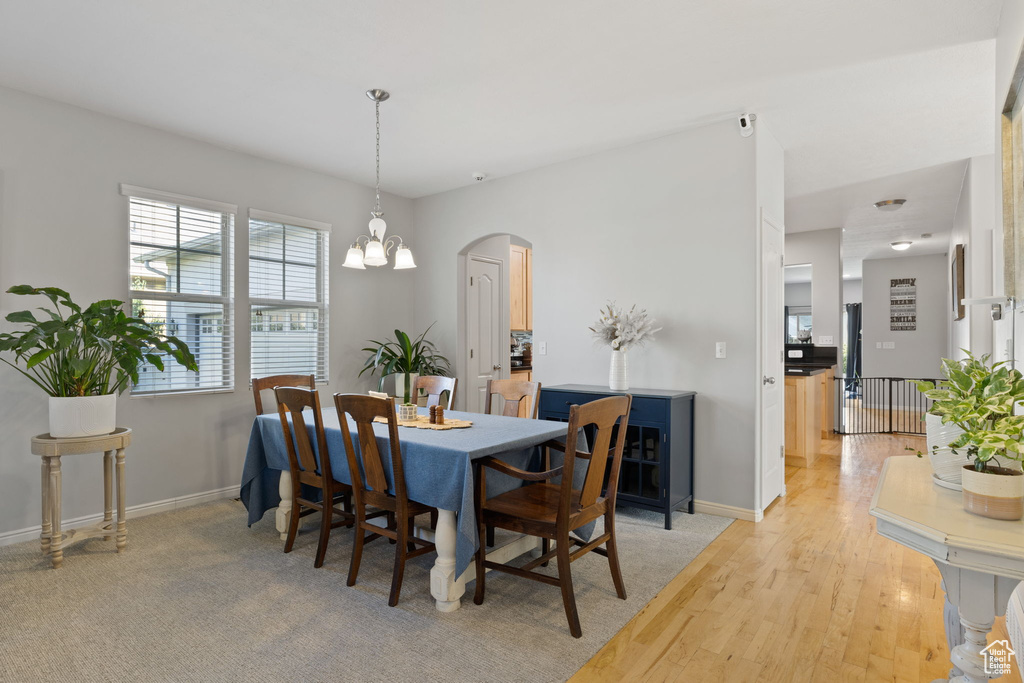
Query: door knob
<point x="767" y="380"/>
<point x="496" y="367"/>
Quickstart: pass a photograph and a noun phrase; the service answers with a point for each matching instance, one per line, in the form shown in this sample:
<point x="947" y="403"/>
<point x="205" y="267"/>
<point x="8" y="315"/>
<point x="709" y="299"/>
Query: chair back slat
<point x="514" y="392"/>
<point x="435" y="387"/>
<point x="261" y="384"/>
<point x="363" y="409"/>
<point x="603" y="415"/>
<point x="293" y="401"/>
<point x="373" y="466"/>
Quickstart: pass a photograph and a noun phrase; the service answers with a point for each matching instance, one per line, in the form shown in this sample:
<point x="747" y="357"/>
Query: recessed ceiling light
<point x="890" y="204"/>
<point x="925" y="235"/>
<point x="901" y="246"/>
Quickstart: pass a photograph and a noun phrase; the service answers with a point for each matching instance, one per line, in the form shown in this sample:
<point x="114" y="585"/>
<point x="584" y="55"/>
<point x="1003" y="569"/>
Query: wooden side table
<point x="51" y="449"/>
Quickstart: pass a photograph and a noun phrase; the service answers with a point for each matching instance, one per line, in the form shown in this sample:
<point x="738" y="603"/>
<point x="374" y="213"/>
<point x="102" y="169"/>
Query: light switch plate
<point x="888" y="345"/>
<point x="719" y="349"/>
<point x="878" y="345"/>
<point x="542" y="348"/>
<point x="825" y="341"/>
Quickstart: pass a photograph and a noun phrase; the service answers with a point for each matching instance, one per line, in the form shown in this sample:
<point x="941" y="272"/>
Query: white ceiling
<point x="799" y="273"/>
<point x="854" y="91"/>
<point x="931" y="193"/>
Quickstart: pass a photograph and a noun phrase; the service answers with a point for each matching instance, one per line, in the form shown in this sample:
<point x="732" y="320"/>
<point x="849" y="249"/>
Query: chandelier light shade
<point x="403" y="258"/>
<point x="375" y="246"/>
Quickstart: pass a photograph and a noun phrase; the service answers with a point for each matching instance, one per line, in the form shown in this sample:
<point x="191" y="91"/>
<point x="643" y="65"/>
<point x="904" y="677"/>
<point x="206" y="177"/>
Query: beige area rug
<point x="197" y="596"/>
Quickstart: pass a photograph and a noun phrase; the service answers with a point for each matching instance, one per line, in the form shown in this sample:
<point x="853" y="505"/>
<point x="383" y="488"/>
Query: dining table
<point x="438" y="468"/>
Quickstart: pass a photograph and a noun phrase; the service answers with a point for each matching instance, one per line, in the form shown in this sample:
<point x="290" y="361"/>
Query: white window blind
<point x="287" y="295"/>
<point x="181" y="279"/>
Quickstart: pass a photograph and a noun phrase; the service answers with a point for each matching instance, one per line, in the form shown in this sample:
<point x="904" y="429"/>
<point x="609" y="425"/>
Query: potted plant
<point x="407" y="359"/>
<point x="84" y="357"/>
<point x="980" y="398"/>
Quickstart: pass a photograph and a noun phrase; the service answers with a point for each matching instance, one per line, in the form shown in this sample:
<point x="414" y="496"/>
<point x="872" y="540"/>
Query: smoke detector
<point x="479" y="176"/>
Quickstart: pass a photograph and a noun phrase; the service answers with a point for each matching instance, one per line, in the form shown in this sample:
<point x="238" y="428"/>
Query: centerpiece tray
<point x="423" y="422"/>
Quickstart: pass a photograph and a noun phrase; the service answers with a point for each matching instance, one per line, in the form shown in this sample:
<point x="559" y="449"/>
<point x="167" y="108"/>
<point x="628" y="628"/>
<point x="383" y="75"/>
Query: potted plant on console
<point x="84" y="357"/>
<point x="980" y="398"/>
<point x="407" y="359"/>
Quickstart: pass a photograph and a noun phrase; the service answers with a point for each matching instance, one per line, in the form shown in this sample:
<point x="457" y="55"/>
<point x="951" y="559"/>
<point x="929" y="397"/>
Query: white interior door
<point x="484" y="342"/>
<point x="773" y="392"/>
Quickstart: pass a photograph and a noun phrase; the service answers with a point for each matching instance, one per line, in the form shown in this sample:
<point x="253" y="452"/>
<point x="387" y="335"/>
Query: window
<point x="181" y="280"/>
<point x="798" y="324"/>
<point x="287" y="295"/>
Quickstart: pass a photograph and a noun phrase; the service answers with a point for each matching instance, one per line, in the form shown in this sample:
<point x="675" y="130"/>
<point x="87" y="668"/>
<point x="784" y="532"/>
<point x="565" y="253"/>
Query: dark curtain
<point x="853" y="349"/>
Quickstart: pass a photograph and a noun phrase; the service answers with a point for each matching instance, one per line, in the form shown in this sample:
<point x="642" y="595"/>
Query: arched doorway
<point x="485" y="339"/>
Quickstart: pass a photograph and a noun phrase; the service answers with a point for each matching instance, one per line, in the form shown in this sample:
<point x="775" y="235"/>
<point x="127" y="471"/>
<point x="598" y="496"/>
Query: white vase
<point x="75" y="416"/>
<point x="948" y="466"/>
<point x="998" y="496"/>
<point x="618" y="372"/>
<point x="400" y="386"/>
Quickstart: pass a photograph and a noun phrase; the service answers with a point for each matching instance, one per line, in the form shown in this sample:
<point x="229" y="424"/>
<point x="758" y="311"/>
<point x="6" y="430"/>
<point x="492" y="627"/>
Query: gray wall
<point x="823" y="250"/>
<point x="972" y="227"/>
<point x="798" y="294"/>
<point x="688" y="204"/>
<point x="918" y="353"/>
<point x="853" y="291"/>
<point x="63" y="223"/>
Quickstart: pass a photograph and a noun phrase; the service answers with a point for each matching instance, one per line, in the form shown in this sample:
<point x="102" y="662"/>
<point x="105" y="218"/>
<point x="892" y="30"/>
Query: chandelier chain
<point x="377" y="206"/>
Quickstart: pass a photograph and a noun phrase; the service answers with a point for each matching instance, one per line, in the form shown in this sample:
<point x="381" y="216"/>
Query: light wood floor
<point x="812" y="593"/>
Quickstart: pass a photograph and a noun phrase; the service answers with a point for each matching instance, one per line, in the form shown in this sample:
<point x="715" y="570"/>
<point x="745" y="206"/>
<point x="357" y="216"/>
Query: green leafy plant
<point x="980" y="397"/>
<point x="406" y="355"/>
<point x="75" y="351"/>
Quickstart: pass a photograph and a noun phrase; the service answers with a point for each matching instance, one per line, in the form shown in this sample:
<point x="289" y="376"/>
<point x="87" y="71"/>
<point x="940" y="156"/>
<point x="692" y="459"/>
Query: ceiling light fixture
<point x="901" y="246"/>
<point x="890" y="204"/>
<point x="378" y="248"/>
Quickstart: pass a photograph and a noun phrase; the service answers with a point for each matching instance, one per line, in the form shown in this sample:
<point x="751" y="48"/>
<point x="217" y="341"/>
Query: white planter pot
<point x="947" y="465"/>
<point x="400" y="386"/>
<point x="82" y="415"/>
<point x="618" y="372"/>
<point x="998" y="496"/>
<point x="406" y="413"/>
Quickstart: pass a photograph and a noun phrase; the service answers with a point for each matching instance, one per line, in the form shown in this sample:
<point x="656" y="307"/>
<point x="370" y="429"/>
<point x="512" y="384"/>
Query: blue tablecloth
<point x="438" y="469"/>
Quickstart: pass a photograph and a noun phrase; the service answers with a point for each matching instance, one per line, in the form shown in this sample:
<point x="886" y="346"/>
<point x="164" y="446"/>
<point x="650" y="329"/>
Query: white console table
<point x="981" y="560"/>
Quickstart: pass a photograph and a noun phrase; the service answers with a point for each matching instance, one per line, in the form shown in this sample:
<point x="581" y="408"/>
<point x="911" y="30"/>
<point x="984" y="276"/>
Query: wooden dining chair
<point x="435" y="386"/>
<point x="261" y="384"/>
<point x="305" y="469"/>
<point x="514" y="392"/>
<point x="552" y="511"/>
<point x="370" y="486"/>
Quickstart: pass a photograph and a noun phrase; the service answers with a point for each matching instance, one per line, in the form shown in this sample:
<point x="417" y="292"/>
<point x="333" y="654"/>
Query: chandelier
<point x="376" y="246"/>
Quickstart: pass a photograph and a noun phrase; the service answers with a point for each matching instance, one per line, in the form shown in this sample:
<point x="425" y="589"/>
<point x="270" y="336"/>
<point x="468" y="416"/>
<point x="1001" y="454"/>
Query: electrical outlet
<point x="542" y="348"/>
<point x="825" y="341"/>
<point x="878" y="345"/>
<point x="719" y="349"/>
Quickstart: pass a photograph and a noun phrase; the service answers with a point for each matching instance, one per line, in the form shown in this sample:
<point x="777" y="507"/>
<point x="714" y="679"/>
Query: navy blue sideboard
<point x="657" y="460"/>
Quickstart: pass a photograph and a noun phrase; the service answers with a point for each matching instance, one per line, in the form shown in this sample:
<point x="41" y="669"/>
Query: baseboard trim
<point x="141" y="510"/>
<point x="721" y="510"/>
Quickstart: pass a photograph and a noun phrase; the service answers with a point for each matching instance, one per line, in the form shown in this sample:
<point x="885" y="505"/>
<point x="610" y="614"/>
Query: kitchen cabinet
<point x="803" y="418"/>
<point x="521" y="288"/>
<point x="657" y="459"/>
<point x="827" y="397"/>
<point x="521" y="375"/>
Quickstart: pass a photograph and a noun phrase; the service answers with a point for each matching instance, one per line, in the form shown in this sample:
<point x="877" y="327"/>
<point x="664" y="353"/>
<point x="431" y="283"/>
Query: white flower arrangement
<point x="622" y="331"/>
